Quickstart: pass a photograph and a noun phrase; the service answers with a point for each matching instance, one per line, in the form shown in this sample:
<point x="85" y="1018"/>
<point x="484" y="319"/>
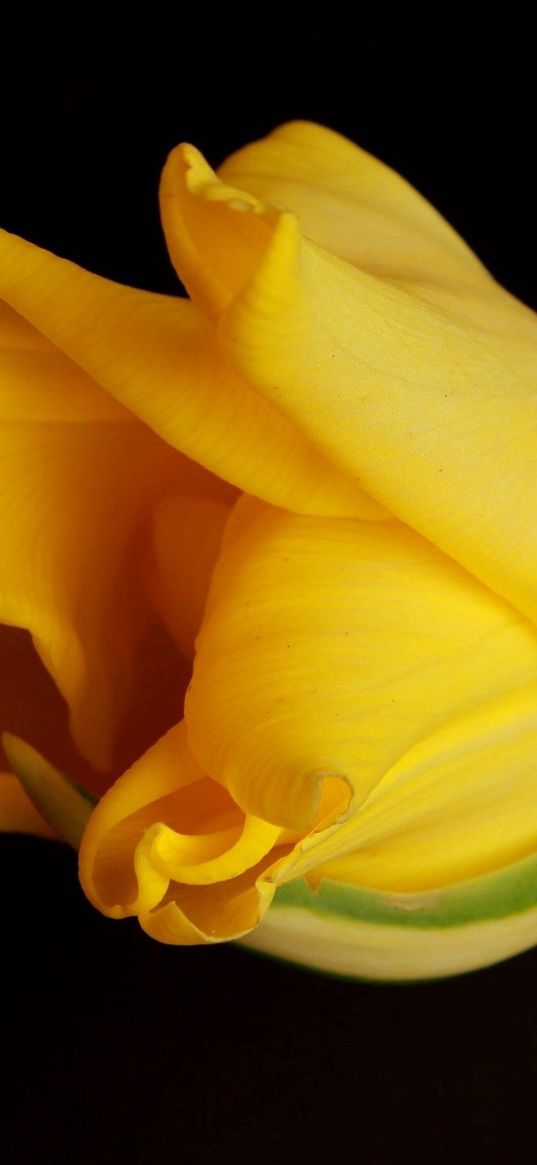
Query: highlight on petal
<point x="159" y="357"/>
<point x="334" y="648"/>
<point x="64" y="806"/>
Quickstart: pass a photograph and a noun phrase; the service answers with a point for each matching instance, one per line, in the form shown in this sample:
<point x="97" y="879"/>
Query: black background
<point x="118" y="1049"/>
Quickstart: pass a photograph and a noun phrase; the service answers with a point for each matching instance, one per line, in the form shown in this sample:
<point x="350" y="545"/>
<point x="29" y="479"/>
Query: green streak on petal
<point x="64" y="805"/>
<point x="500" y="894"/>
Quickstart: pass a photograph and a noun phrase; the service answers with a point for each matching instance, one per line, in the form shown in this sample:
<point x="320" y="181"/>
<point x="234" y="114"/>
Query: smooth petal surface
<point x="335" y="648"/>
<point x="422" y="388"/>
<point x="351" y="204"/>
<point x="159" y="357"/>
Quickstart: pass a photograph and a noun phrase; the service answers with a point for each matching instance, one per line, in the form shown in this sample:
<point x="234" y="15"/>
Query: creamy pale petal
<point x="331" y="648"/>
<point x="351" y="204"/>
<point x="424" y="389"/>
<point x="371" y="934"/>
<point x="158" y="356"/>
<point x="77" y="496"/>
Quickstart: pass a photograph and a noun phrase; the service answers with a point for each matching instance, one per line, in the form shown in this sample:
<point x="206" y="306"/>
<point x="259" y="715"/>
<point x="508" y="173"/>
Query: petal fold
<point x="332" y="648"/>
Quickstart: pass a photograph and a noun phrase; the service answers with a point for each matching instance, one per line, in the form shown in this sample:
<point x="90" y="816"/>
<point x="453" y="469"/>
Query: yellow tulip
<point x="309" y="490"/>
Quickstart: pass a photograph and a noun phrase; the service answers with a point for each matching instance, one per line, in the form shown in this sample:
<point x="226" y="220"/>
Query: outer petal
<point x="159" y="357"/>
<point x="424" y="390"/>
<point x="79" y="483"/>
<point x="335" y="648"/>
<point x="351" y="204"/>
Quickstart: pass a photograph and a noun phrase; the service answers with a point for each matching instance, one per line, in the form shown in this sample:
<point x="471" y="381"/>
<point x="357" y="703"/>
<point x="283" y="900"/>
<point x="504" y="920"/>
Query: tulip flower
<point x="302" y="503"/>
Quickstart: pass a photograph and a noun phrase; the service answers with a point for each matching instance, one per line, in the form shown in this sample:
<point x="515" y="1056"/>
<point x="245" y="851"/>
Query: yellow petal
<point x="457" y="805"/>
<point x="186" y="539"/>
<point x="426" y="393"/>
<point x="208" y="915"/>
<point x="350" y="203"/>
<point x="17" y="813"/>
<point x="421" y="385"/>
<point x="332" y="648"/>
<point x="158" y="356"/>
<point x="78" y="487"/>
<point x="169" y="844"/>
